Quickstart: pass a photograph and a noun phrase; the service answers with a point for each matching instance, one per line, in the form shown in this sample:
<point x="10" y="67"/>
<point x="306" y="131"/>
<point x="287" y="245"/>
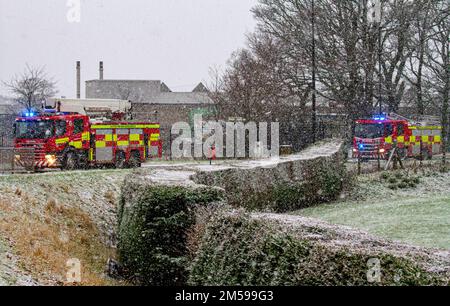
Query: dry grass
<point x="110" y="197"/>
<point x="45" y="239"/>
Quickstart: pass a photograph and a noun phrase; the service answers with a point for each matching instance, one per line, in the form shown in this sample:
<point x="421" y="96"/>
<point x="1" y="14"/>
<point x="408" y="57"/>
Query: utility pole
<point x="378" y="19"/>
<point x="313" y="45"/>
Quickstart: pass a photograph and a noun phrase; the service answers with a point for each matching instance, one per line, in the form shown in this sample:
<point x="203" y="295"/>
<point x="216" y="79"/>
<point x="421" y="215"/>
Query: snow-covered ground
<point x="418" y="216"/>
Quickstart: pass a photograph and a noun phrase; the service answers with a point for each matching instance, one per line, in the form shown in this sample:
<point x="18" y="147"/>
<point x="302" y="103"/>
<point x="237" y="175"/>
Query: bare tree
<point x="256" y="84"/>
<point x="438" y="64"/>
<point x="32" y="87"/>
<point x="345" y="48"/>
<point x="396" y="44"/>
<point x="416" y="69"/>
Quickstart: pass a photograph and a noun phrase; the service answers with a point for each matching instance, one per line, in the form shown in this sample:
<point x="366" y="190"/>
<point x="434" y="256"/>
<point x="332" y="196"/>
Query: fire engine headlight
<point x="51" y="159"/>
<point x="382" y="150"/>
<point x="354" y="150"/>
<point x="17" y="157"/>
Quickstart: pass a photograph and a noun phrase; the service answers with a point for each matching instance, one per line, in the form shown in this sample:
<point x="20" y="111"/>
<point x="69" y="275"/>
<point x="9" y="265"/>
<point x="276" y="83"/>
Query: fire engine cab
<point x="68" y="140"/>
<point x="378" y="136"/>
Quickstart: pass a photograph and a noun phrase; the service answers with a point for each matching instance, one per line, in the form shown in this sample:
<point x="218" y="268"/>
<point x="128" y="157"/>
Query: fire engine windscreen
<point x="373" y="131"/>
<point x="33" y="129"/>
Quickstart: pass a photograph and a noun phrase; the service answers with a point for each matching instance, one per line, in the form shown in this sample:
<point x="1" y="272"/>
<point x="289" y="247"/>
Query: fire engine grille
<point x="29" y="155"/>
<point x="31" y="152"/>
<point x="368" y="149"/>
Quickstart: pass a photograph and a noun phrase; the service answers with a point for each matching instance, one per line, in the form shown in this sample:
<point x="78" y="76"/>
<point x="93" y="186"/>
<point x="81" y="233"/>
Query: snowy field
<point x="418" y="216"/>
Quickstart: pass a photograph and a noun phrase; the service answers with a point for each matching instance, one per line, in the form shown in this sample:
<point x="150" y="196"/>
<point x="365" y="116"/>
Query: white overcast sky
<point x="175" y="41"/>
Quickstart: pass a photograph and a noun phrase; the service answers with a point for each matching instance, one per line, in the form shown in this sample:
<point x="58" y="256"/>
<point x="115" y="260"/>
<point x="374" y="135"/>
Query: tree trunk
<point x="445" y="105"/>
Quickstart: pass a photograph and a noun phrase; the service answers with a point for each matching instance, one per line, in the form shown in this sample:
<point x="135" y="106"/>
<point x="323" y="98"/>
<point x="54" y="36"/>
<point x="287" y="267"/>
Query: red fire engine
<point x="69" y="141"/>
<point x="377" y="137"/>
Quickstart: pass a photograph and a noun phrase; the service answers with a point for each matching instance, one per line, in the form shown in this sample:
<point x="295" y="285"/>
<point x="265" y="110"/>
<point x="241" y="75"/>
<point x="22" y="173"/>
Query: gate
<point x="13" y="160"/>
<point x="8" y="154"/>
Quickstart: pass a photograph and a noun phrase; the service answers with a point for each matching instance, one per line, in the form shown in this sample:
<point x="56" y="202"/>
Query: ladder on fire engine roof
<point x="418" y="120"/>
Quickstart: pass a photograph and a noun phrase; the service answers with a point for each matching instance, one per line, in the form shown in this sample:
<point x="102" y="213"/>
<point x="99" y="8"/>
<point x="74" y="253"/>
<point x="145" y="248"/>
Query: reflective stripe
<point x="76" y="144"/>
<point x="62" y="140"/>
<point x="401" y="139"/>
<point x="388" y="140"/>
<point x="425" y="127"/>
<point x="437" y="139"/>
<point x="414" y="140"/>
<point x="86" y="136"/>
<point x="129" y="126"/>
<point x="100" y="144"/>
<point x="91" y="154"/>
<point x="109" y="137"/>
<point x="425" y="139"/>
<point x="154" y="137"/>
<point x="123" y="143"/>
<point x="135" y="137"/>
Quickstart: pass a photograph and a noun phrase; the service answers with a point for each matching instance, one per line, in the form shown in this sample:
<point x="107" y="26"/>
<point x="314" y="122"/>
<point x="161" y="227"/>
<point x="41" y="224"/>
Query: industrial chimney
<point x="78" y="80"/>
<point x="101" y="71"/>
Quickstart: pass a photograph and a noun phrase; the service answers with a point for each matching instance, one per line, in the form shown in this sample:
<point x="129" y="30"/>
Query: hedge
<point x="154" y="221"/>
<point x="239" y="250"/>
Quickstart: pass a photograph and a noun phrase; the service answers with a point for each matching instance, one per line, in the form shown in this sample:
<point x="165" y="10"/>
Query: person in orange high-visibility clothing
<point x="212" y="154"/>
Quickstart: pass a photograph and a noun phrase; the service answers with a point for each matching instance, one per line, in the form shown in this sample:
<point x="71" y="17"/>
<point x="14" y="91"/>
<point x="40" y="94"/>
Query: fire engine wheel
<point x="120" y="160"/>
<point x="135" y="160"/>
<point x="70" y="161"/>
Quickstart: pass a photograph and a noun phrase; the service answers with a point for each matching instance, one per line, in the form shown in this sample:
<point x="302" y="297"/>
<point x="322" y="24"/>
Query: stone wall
<point x="315" y="175"/>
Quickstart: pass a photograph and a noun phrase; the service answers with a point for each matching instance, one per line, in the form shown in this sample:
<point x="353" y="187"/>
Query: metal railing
<point x="10" y="163"/>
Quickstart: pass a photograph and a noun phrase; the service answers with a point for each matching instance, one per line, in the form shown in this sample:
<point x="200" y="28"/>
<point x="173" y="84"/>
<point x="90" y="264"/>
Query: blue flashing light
<point x="28" y="113"/>
<point x="361" y="146"/>
<point x="379" y="118"/>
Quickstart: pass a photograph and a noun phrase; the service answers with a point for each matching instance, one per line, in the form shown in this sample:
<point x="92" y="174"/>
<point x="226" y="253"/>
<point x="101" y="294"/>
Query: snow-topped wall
<point x="316" y="175"/>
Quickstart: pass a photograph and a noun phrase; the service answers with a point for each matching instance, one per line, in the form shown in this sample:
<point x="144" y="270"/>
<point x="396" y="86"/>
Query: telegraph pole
<point x="380" y="54"/>
<point x="314" y="67"/>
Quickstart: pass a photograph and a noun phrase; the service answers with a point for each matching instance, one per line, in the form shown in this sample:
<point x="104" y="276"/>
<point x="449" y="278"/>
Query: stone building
<point x="153" y="100"/>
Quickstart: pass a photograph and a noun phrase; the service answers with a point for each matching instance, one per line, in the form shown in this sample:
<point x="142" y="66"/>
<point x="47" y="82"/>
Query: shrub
<point x="238" y="250"/>
<point x="392" y="180"/>
<point x="393" y="186"/>
<point x="403" y="185"/>
<point x="154" y="221"/>
<point x="385" y="176"/>
<point x="399" y="175"/>
<point x="400" y="180"/>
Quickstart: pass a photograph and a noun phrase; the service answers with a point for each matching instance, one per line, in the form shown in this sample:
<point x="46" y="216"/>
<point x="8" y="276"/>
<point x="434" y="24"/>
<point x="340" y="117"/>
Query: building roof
<point x="200" y="88"/>
<point x="170" y="98"/>
<point x="146" y="92"/>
